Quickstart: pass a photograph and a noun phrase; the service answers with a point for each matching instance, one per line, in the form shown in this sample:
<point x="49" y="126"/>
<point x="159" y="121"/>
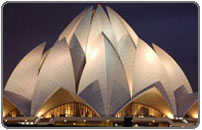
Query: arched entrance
<point x="139" y="110"/>
<point x="73" y="109"/>
<point x="64" y="103"/>
<point x="150" y="103"/>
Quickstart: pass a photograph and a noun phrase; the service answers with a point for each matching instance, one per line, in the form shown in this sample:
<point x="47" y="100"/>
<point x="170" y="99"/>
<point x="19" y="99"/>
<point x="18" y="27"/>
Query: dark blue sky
<point x="173" y="27"/>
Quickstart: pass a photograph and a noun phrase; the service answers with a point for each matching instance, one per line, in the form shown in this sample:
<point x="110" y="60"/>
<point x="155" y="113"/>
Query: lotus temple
<point x="101" y="73"/>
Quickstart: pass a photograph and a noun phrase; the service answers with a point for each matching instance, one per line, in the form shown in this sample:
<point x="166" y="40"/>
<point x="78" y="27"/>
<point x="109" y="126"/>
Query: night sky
<point x="173" y="27"/>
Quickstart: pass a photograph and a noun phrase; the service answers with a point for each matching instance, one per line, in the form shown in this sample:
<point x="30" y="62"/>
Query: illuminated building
<point x="99" y="68"/>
